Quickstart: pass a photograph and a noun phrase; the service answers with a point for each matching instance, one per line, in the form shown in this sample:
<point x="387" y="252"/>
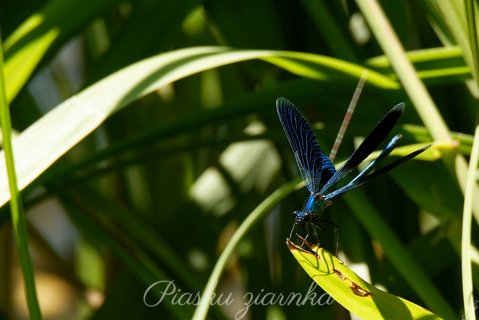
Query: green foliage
<point x="151" y="159"/>
<point x="348" y="289"/>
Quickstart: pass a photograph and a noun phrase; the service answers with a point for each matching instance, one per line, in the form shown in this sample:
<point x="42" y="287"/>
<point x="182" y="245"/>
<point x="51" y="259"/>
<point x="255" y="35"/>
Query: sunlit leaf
<point x="352" y="292"/>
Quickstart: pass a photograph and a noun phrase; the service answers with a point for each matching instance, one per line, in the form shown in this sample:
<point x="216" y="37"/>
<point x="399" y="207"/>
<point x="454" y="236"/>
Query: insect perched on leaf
<point x="318" y="171"/>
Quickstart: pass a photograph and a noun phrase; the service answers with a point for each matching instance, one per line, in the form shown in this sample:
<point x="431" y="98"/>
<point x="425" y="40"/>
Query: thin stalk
<point x="16" y="205"/>
<point x="262" y="209"/>
<point x="467" y="289"/>
<point x="472" y="36"/>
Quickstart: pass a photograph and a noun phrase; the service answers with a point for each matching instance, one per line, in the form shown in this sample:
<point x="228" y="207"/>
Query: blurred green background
<point x="157" y="189"/>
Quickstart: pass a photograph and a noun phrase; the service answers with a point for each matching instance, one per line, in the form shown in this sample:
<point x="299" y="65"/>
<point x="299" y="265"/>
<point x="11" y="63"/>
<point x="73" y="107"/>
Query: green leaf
<point x="434" y="65"/>
<point x="352" y="292"/>
<point x="54" y="134"/>
<point x="27" y="46"/>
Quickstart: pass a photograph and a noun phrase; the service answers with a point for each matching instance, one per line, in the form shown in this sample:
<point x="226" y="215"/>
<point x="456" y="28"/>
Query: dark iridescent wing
<point x="372" y="141"/>
<point x="314" y="166"/>
<point x="360" y="180"/>
<point x="387" y="150"/>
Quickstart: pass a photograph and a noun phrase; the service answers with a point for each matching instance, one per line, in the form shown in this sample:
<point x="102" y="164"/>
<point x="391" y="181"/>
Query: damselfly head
<point x="303" y="217"/>
<point x="299" y="217"/>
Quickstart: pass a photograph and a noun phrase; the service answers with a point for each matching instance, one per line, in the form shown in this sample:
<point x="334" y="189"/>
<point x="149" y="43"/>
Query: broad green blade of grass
<point x="55" y="133"/>
<point x="239" y="107"/>
<point x="29" y="43"/>
<point x="352" y="292"/>
<point x="434" y="65"/>
<point x="463" y="142"/>
<point x="319" y="67"/>
<point x="431" y="154"/>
